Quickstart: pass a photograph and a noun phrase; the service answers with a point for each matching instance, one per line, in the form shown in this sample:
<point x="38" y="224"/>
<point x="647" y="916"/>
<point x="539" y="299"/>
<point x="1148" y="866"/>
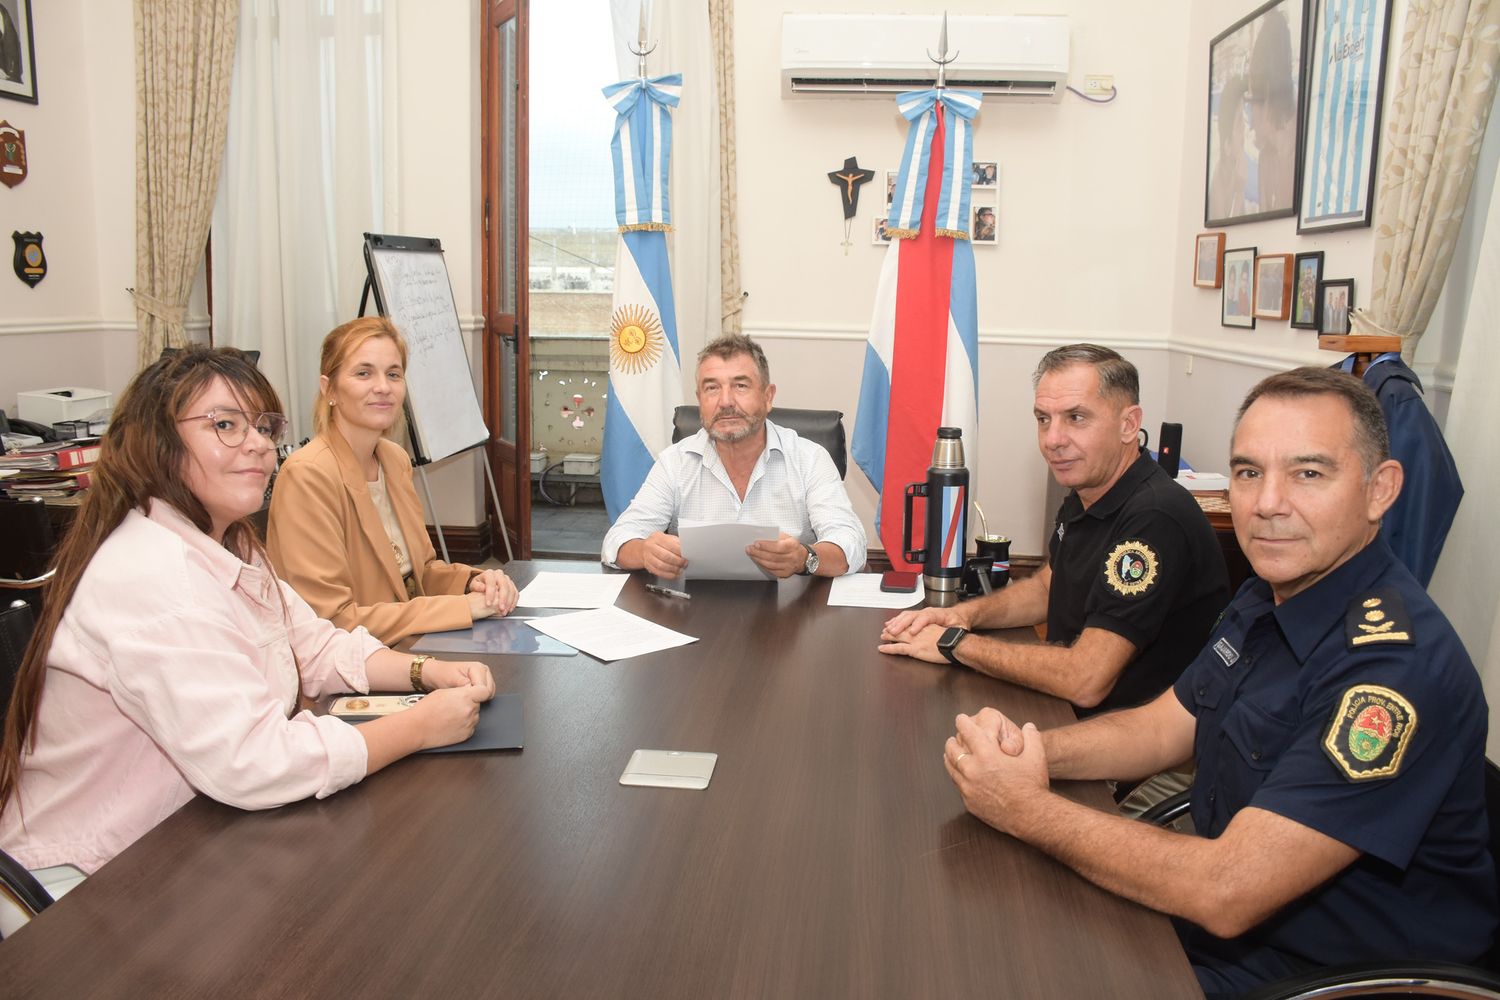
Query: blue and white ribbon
<point x="920" y="108"/>
<point x="642" y="149"/>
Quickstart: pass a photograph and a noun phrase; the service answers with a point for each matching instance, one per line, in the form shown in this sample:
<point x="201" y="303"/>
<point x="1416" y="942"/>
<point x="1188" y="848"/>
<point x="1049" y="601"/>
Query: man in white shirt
<point x="741" y="467"/>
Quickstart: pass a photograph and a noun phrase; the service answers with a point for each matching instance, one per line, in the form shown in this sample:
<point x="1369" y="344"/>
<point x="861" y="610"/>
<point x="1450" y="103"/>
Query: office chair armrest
<point x="1168" y="810"/>
<point x="21" y="885"/>
<point x="1438" y="979"/>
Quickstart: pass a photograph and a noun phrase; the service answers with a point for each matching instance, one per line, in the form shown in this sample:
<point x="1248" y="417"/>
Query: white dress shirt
<point x="794" y="485"/>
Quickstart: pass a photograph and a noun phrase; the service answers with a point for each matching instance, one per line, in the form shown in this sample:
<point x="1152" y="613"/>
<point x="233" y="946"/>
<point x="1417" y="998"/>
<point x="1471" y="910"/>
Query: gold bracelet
<point x="416" y="674"/>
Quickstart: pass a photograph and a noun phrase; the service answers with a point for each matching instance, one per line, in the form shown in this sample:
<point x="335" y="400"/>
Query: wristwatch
<point x="809" y="568"/>
<point x="947" y="643"/>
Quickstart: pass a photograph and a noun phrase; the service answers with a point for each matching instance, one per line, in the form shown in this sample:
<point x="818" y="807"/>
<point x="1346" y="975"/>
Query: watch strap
<point x="947" y="643"/>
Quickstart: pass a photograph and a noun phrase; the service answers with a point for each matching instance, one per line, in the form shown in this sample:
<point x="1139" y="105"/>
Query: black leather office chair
<point x="1423" y="979"/>
<point x="15" y="632"/>
<point x="20" y="893"/>
<point x="26" y="543"/>
<point x="824" y="427"/>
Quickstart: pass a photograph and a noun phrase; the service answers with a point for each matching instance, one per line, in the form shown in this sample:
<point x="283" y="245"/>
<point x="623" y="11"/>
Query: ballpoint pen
<point x="668" y="592"/>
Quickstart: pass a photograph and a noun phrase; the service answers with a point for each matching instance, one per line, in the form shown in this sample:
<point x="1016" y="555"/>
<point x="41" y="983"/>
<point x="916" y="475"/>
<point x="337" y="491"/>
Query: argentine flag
<point x="921" y="367"/>
<point x="645" y="368"/>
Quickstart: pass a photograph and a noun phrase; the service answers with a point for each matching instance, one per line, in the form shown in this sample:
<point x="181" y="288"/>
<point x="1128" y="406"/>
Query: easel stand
<point x="419" y="456"/>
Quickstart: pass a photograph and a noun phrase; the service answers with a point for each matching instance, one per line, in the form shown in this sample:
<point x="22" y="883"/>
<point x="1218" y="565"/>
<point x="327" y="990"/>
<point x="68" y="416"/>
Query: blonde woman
<point x="346" y="528"/>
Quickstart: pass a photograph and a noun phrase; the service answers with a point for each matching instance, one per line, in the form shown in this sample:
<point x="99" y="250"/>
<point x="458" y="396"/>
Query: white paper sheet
<point x="610" y="633"/>
<point x="717" y="551"/>
<point x="862" y="590"/>
<point x="572" y="590"/>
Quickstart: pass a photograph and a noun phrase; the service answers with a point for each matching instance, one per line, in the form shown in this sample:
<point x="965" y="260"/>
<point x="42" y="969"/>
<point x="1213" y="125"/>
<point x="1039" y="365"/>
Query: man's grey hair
<point x="1117" y="377"/>
<point x="731" y="344"/>
<point x="1371" y="438"/>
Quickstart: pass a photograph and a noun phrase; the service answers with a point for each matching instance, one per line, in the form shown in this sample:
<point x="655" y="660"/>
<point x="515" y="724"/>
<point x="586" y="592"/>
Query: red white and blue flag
<point x="921" y="367"/>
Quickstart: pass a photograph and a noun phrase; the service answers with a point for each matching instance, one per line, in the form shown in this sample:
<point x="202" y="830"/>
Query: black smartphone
<point x="897" y="582"/>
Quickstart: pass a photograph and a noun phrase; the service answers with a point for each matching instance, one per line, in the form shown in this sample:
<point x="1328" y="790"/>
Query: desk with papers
<point x="829" y="856"/>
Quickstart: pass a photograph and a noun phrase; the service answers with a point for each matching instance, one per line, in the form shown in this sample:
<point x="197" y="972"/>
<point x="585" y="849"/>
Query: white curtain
<point x="685" y="45"/>
<point x="308" y="168"/>
<point x="1466" y="584"/>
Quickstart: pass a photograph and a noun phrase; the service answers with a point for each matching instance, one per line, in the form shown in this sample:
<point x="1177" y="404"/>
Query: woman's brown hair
<point x="341" y="342"/>
<point x="142" y="459"/>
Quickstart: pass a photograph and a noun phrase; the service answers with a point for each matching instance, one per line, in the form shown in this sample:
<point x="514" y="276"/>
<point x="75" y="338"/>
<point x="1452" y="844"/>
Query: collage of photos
<point x="984" y="221"/>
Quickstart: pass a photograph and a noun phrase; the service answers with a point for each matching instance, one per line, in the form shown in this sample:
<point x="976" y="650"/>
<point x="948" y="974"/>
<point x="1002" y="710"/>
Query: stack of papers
<point x="572" y="590"/>
<point x="610" y="633"/>
<point x="862" y="590"/>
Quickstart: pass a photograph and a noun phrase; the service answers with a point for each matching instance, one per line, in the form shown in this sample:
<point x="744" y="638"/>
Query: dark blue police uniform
<point x="1352" y="709"/>
<point x="1417" y="523"/>
<point x="1141" y="562"/>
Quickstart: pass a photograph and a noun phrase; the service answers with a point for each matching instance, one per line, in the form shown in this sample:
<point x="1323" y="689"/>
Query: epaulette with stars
<point x="1377" y="616"/>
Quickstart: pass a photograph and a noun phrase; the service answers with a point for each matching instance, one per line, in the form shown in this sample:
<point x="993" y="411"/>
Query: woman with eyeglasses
<point x="168" y="657"/>
<point x="346" y="528"/>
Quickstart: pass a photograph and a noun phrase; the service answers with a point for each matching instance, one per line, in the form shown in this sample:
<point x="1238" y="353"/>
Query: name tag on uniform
<point x="1226" y="652"/>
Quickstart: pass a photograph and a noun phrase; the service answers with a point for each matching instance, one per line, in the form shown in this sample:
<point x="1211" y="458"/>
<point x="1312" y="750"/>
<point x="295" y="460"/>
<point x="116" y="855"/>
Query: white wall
<point x="1083" y="234"/>
<point x="438" y="185"/>
<point x="77" y="326"/>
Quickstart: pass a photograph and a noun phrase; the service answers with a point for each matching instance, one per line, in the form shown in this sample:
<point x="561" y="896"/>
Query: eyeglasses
<point x="233" y="426"/>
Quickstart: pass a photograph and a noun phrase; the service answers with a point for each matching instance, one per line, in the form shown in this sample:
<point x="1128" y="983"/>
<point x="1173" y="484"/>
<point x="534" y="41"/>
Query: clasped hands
<point x="491" y="593"/>
<point x="996" y="766"/>
<point x="783" y="557"/>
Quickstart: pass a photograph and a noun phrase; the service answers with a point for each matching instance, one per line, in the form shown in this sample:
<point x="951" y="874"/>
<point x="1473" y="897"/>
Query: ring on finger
<point x="960" y="757"/>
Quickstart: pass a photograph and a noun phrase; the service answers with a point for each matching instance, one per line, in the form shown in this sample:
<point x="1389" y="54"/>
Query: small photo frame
<point x="985" y="230"/>
<point x="1335" y="303"/>
<point x="986" y="173"/>
<point x="1273" y="286"/>
<point x="1208" y="261"/>
<point x="17" y="51"/>
<point x="1238" y="298"/>
<point x="890" y="188"/>
<point x="878" y="234"/>
<point x="1307" y="274"/>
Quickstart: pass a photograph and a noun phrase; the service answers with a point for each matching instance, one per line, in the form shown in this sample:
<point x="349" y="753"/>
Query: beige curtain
<point x="184" y="55"/>
<point x="1433" y="129"/>
<point x="721" y="27"/>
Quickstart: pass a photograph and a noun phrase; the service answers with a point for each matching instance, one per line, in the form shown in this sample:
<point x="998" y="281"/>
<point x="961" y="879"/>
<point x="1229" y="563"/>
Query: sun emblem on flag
<point x="635" y="339"/>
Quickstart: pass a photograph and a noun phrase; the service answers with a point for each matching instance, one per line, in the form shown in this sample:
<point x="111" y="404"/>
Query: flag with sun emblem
<point x="645" y="372"/>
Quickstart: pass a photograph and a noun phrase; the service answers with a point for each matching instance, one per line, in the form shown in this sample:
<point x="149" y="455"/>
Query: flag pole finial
<point x="641" y="51"/>
<point x="942" y="58"/>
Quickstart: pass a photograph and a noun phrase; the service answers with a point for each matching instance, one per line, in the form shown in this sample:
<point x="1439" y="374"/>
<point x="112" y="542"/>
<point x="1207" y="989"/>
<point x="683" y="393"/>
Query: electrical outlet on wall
<point x="1098" y="85"/>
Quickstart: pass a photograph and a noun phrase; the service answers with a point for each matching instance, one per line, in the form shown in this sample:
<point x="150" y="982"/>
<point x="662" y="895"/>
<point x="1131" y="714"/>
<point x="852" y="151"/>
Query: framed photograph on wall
<point x="1254" y="110"/>
<point x="1342" y="127"/>
<point x="890" y="188"/>
<point x="986" y="173"/>
<point x="1208" y="260"/>
<point x="1335" y="302"/>
<point x="1307" y="274"/>
<point x="1273" y="286"/>
<point x="17" y="51"/>
<point x="1238" y="298"/>
<point x="878" y="234"/>
<point x="985" y="231"/>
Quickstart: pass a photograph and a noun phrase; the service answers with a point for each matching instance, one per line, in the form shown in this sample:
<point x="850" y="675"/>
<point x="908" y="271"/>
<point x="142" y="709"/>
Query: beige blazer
<point x="326" y="540"/>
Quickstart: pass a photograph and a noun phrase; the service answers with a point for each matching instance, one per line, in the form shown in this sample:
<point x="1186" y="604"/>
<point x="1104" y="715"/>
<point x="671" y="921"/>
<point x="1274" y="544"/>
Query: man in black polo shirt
<point x="1134" y="578"/>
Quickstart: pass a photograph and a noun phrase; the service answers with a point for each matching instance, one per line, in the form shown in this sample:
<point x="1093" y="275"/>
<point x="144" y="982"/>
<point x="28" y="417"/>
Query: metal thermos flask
<point x="947" y="493"/>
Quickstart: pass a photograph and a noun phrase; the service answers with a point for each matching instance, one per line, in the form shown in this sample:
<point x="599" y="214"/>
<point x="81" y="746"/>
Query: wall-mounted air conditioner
<point x="1015" y="58"/>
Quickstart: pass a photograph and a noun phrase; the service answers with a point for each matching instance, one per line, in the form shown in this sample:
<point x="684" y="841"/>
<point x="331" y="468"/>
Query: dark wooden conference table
<point x="830" y="856"/>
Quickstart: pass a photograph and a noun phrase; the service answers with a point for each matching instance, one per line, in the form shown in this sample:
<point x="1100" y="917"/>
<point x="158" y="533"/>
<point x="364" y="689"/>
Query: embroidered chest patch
<point x="1369" y="734"/>
<point x="1130" y="568"/>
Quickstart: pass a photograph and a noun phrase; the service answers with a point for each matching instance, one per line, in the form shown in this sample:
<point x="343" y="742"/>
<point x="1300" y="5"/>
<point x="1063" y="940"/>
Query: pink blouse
<point x="172" y="673"/>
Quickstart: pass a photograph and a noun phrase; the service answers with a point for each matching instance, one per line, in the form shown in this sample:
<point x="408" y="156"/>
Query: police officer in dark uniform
<point x="1135" y="576"/>
<point x="1337" y="723"/>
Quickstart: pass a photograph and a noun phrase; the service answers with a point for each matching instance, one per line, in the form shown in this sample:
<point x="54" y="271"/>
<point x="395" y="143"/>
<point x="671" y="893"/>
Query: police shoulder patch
<point x="1369" y="734"/>
<point x="1130" y="568"/>
<point x="1377" y="616"/>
